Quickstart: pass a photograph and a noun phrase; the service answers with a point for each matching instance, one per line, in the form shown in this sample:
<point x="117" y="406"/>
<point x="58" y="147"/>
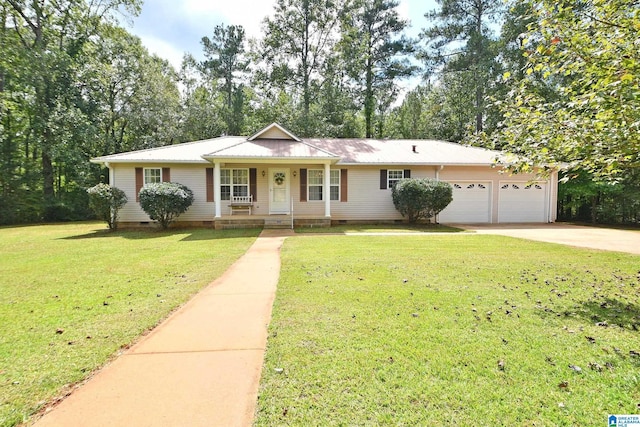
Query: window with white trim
<point x="234" y="183"/>
<point x="393" y="176"/>
<point x="334" y="184"/>
<point x="315" y="184"/>
<point x="152" y="175"/>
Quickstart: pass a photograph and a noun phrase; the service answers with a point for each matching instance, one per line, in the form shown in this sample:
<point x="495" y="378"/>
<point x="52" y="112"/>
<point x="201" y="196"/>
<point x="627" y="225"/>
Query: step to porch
<point x="280" y="222"/>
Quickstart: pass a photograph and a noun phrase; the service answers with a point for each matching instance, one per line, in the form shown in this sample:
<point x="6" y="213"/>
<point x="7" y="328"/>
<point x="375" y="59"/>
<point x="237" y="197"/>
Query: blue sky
<point x="169" y="28"/>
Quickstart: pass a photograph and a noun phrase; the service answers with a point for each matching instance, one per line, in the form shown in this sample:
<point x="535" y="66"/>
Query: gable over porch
<point x="281" y="160"/>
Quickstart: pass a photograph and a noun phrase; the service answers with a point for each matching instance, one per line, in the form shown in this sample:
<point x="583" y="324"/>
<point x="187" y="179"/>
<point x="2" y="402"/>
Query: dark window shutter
<point x="407" y="173"/>
<point x="166" y="175"/>
<point x="343" y="185"/>
<point x="253" y="183"/>
<point x="209" y="173"/>
<point x="383" y="179"/>
<point x="139" y="182"/>
<point x="303" y="185"/>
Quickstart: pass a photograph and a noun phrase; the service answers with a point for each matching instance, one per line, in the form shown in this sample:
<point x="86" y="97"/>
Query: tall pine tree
<point x="376" y="52"/>
<point x="461" y="40"/>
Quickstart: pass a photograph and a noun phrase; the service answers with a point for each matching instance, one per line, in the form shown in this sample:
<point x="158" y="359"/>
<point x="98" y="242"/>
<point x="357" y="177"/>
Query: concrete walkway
<point x="608" y="239"/>
<point x="200" y="367"/>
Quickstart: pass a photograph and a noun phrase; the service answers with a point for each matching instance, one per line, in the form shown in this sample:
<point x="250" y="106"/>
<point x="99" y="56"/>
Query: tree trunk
<point x="306" y="96"/>
<point x="368" y="100"/>
<point x="479" y="107"/>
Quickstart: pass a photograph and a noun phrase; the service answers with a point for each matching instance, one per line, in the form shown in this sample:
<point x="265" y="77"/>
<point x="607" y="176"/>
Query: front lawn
<point x="72" y="295"/>
<point x="381" y="228"/>
<point x="451" y="330"/>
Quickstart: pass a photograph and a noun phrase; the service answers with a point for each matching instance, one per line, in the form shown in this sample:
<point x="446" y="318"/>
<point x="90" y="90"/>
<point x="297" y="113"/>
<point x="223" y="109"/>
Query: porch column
<point x="216" y="189"/>
<point x="326" y="190"/>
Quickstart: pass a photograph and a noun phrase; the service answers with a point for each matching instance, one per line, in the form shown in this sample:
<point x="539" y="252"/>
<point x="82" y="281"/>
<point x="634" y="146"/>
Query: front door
<point x="279" y="199"/>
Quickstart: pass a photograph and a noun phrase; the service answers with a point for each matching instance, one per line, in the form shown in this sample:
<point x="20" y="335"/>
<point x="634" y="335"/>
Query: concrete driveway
<point x="607" y="239"/>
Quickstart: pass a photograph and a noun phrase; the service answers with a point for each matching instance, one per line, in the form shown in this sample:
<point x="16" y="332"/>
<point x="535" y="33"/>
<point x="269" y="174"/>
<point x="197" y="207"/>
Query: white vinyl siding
<point x="194" y="177"/>
<point x="365" y="203"/>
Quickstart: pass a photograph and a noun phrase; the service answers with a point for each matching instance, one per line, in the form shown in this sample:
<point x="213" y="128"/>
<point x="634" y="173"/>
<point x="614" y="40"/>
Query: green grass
<point x="380" y="228"/>
<point x="72" y="295"/>
<point x="392" y="330"/>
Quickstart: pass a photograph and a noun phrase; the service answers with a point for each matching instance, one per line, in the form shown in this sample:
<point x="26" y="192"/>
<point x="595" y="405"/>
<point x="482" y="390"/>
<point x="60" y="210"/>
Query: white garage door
<point x="471" y="203"/>
<point x="522" y="202"/>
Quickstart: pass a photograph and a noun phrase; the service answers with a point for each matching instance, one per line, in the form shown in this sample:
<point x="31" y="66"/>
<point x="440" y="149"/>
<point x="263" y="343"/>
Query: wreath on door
<point x="278" y="177"/>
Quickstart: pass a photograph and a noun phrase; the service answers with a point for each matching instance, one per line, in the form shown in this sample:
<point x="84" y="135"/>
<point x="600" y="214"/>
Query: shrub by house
<point x="165" y="201"/>
<point x="421" y="198"/>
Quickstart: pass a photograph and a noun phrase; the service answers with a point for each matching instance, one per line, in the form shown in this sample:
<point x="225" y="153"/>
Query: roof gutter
<point x="99" y="161"/>
<point x="263" y="160"/>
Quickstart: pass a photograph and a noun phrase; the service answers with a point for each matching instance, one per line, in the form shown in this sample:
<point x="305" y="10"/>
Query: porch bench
<point x="240" y="203"/>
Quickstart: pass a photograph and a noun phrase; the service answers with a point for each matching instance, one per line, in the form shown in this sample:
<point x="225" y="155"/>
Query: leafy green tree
<point x="226" y="62"/>
<point x="49" y="52"/>
<point x="588" y="53"/>
<point x="461" y="40"/>
<point x="298" y="41"/>
<point x="154" y="113"/>
<point x="132" y="97"/>
<point x="165" y="201"/>
<point x="337" y="105"/>
<point x="375" y="50"/>
<point x="442" y="111"/>
<point x="106" y="201"/>
<point x="421" y="198"/>
<point x="202" y="105"/>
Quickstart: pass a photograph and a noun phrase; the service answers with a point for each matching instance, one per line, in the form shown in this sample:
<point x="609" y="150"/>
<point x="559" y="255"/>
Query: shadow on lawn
<point x="190" y="234"/>
<point x="608" y="312"/>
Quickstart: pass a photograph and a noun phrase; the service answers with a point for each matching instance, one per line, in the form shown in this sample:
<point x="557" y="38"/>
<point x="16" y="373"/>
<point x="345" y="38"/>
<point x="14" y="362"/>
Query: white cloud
<point x="169" y="28"/>
<point x="164" y="49"/>
<point x="248" y="13"/>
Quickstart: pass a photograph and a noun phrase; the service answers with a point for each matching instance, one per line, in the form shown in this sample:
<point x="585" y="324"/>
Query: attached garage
<point x="522" y="202"/>
<point x="471" y="203"/>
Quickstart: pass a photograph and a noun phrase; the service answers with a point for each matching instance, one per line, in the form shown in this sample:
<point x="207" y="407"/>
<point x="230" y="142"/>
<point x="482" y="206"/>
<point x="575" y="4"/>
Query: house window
<point x="334" y="184"/>
<point x="152" y="175"/>
<point x="315" y="179"/>
<point x="314" y="184"/>
<point x="234" y="183"/>
<point x="393" y="176"/>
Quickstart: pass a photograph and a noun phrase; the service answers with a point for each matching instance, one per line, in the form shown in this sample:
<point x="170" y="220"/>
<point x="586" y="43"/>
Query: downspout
<point x="326" y="190"/>
<point x="437" y="219"/>
<point x="217" y="197"/>
<point x="552" y="189"/>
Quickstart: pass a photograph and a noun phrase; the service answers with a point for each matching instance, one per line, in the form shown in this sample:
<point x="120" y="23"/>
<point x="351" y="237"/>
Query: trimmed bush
<point x="106" y="201"/>
<point x="421" y="198"/>
<point x="165" y="201"/>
